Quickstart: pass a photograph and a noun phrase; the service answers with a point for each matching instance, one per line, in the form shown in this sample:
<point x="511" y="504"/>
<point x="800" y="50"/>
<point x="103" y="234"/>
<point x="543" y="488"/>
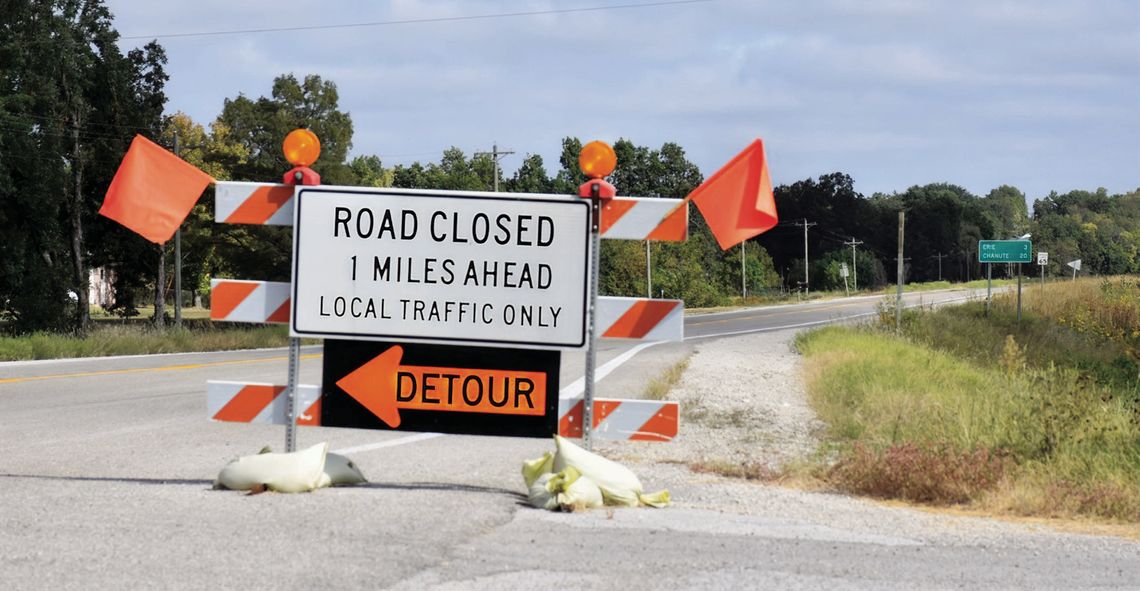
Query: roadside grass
<point x="1041" y="419"/>
<point x="134" y="339"/>
<point x="659" y="387"/>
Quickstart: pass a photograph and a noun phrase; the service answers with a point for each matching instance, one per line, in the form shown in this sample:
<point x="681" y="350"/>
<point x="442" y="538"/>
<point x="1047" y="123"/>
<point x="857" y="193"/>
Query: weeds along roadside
<point x="1040" y="419"/>
<point x="136" y="339"/>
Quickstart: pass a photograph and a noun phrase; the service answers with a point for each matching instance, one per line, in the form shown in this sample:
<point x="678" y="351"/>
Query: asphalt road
<point x="106" y="467"/>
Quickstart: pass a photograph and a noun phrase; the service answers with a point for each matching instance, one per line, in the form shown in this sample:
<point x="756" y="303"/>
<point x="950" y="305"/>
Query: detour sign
<point x="440" y="388"/>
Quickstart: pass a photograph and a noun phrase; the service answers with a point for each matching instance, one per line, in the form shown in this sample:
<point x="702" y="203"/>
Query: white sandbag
<point x="299" y="471"/>
<point x="619" y="485"/>
<point x="340" y="471"/>
<point x="532" y="469"/>
<point x="579" y="493"/>
<point x="539" y="496"/>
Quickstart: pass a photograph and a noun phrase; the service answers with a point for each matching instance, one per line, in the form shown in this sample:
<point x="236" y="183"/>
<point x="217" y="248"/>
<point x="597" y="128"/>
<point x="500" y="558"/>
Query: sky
<point x="1043" y="95"/>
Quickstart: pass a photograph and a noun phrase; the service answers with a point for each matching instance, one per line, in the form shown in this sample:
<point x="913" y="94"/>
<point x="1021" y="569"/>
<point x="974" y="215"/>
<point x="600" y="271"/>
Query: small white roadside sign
<point x="1042" y="258"/>
<point x="446" y="267"/>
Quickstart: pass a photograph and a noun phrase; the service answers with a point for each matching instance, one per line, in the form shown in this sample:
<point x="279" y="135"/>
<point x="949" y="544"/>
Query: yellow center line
<point x="108" y="372"/>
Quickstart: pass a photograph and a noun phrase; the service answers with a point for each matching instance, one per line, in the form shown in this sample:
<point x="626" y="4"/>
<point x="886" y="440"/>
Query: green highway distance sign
<point x="1005" y="251"/>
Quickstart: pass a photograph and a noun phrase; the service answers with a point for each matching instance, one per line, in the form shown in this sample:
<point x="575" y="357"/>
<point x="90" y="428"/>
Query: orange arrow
<point x="383" y="386"/>
<point x="374" y="385"/>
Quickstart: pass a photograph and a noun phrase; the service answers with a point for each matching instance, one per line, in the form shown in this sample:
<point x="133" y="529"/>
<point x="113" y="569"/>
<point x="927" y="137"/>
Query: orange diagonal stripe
<point x="227" y="295"/>
<point x="639" y="319"/>
<point x="570" y="425"/>
<point x="612" y="211"/>
<point x="261" y="204"/>
<point x="247" y="403"/>
<point x="312" y="416"/>
<point x="603" y="409"/>
<point x="674" y="227"/>
<point x="660" y="427"/>
<point x="281" y="315"/>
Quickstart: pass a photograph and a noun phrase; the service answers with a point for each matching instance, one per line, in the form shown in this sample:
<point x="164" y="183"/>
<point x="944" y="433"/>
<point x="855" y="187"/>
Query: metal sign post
<point x="1019" y="293"/>
<point x="301" y="148"/>
<point x="989" y="286"/>
<point x="597" y="160"/>
<point x="591" y="326"/>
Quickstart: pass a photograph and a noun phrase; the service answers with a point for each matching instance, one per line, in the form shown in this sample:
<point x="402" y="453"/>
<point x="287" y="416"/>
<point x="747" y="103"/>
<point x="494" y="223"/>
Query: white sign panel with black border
<point x="440" y="267"/>
<point x="1042" y="258"/>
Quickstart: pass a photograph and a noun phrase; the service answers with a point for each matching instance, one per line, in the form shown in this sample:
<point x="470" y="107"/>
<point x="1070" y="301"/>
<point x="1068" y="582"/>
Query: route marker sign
<point x="440" y="388"/>
<point x="473" y="268"/>
<point x="1005" y="251"/>
<point x="1042" y="258"/>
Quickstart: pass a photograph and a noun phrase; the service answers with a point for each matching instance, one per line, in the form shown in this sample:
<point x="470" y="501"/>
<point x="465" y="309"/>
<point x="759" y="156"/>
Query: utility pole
<point x="806" y="225"/>
<point x="939" y="256"/>
<point x="898" y="300"/>
<point x="854" y="267"/>
<point x="495" y="155"/>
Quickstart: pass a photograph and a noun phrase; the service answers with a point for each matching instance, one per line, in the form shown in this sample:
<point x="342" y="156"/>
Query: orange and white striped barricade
<point x="253" y="203"/>
<point x="644" y="218"/>
<point x="235" y="300"/>
<point x="640" y="319"/>
<point x="250" y="402"/>
<point x="621" y="218"/>
<point x="633" y="420"/>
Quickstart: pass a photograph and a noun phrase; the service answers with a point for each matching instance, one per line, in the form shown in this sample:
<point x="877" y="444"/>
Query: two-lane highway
<point x="106" y="468"/>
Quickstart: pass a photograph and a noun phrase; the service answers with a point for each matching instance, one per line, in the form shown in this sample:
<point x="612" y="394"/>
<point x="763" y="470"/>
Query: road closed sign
<point x="472" y="268"/>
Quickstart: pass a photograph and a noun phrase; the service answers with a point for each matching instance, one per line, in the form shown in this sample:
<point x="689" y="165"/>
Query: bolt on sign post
<point x="446" y="311"/>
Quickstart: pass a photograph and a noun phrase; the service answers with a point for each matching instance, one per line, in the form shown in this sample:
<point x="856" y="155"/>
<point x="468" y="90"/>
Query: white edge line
<point x="579" y="385"/>
<point x="389" y="443"/>
<point x="819" y="322"/>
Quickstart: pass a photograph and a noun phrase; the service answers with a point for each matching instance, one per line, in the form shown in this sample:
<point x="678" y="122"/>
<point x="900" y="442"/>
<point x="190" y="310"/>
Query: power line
<point x="441" y="19"/>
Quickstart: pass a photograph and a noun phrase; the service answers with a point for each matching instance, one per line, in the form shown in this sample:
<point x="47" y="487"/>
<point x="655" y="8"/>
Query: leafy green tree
<point x="530" y="177"/>
<point x="70" y="103"/>
<point x="370" y="172"/>
<point x="258" y="127"/>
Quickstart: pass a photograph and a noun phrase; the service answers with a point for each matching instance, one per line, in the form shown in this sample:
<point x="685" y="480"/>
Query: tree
<point x="257" y="128"/>
<point x="71" y="102"/>
<point x="530" y="177"/>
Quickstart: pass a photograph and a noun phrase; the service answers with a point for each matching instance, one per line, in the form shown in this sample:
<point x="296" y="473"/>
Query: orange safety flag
<point x="153" y="191"/>
<point x="737" y="200"/>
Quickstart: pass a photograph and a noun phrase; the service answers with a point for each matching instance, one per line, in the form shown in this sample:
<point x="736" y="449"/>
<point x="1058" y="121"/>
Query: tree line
<point x="70" y="103"/>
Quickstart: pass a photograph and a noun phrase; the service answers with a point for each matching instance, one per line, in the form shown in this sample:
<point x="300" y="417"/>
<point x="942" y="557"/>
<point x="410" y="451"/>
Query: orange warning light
<point x="301" y="147"/>
<point x="597" y="159"/>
